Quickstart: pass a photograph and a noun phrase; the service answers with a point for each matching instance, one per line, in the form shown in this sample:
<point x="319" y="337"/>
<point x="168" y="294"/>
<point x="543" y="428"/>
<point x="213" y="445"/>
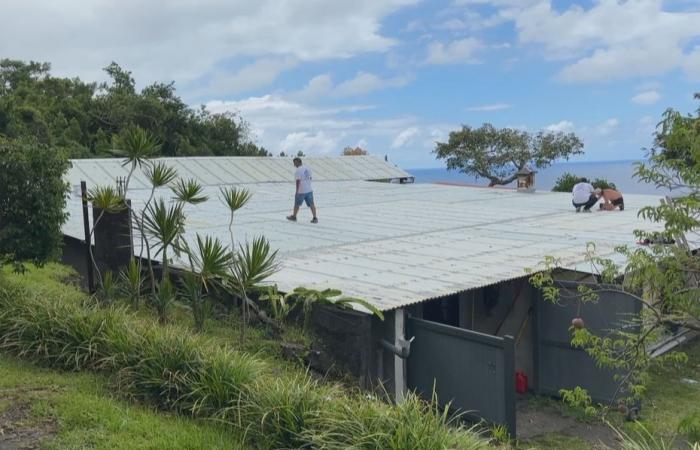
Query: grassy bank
<point x="202" y="376"/>
<point x="60" y="410"/>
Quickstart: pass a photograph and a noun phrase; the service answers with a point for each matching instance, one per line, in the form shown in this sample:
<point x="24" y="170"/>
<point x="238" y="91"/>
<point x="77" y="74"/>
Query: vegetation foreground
<point x="198" y="376"/>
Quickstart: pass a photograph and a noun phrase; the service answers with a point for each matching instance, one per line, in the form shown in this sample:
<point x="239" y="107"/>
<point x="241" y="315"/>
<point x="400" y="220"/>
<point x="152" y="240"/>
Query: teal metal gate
<point x="474" y="372"/>
<point x="558" y="365"/>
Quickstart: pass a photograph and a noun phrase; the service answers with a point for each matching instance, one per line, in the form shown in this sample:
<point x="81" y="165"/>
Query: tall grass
<point x="176" y="370"/>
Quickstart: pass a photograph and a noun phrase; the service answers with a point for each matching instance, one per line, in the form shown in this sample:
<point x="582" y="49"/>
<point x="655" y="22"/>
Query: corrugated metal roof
<point x="395" y="245"/>
<point x="213" y="171"/>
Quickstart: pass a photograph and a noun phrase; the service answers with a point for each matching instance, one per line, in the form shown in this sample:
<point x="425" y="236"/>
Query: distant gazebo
<point x="526" y="180"/>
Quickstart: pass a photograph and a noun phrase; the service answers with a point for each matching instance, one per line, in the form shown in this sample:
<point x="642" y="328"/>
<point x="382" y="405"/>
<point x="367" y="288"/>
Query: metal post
<point x="399" y="363"/>
<point x="88" y="243"/>
<point x="509" y="387"/>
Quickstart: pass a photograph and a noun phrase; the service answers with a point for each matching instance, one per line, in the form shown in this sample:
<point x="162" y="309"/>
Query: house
<point x="446" y="264"/>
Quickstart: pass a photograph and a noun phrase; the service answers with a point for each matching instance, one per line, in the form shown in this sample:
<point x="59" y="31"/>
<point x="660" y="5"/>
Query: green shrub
<point x="567" y="180"/>
<point x="362" y="423"/>
<point x="176" y="370"/>
<point x="32" y="201"/>
<point x="690" y="426"/>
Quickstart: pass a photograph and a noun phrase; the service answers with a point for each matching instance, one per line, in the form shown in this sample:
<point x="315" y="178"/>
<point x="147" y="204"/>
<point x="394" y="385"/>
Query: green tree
<point x="32" y="201"/>
<point x="498" y="154"/>
<point x="567" y="180"/>
<point x="664" y="278"/>
<point x="81" y="119"/>
<point x="357" y="151"/>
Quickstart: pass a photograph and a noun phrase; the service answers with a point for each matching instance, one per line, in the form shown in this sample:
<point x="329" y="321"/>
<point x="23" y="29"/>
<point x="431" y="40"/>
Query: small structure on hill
<point x="445" y="264"/>
<point x="526" y="180"/>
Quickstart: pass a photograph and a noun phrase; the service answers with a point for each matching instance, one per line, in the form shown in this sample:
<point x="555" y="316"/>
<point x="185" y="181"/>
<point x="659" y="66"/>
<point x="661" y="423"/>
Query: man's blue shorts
<point x="301" y="198"/>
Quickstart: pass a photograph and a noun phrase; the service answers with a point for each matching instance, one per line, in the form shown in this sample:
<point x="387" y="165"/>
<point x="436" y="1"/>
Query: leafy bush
<point x="192" y="375"/>
<point x="32" y="201"/>
<point x="567" y="180"/>
<point x="690" y="426"/>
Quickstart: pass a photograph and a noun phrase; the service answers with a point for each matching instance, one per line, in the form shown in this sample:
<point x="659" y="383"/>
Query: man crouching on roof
<point x="612" y="199"/>
<point x="303" y="192"/>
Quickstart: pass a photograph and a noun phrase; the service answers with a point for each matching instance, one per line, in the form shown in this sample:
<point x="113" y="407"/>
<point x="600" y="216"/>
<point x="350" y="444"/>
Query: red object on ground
<point x="520" y="382"/>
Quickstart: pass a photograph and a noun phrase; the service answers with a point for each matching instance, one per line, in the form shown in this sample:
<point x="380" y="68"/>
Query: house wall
<point x="499" y="310"/>
<point x="74" y="255"/>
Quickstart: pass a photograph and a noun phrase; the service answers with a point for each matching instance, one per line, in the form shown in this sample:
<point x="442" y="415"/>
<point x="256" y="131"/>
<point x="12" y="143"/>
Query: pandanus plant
<point x="209" y="264"/>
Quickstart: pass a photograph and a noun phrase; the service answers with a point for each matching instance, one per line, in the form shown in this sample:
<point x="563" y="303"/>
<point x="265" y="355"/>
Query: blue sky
<point x="391" y="76"/>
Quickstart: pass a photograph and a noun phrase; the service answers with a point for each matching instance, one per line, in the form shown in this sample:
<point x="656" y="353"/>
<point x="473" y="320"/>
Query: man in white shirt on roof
<point x="304" y="192"/>
<point x="584" y="196"/>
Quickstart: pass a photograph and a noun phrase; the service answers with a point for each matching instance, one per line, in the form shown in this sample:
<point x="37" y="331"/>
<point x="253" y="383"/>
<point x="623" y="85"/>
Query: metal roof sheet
<point x="395" y="245"/>
<point x="213" y="171"/>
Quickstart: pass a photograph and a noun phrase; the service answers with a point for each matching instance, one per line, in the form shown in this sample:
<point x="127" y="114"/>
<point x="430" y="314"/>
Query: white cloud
<point x="362" y="83"/>
<point x="253" y="76"/>
<point x="309" y="143"/>
<point x="646" y="98"/>
<point x="186" y="39"/>
<point x="492" y="107"/>
<point x="606" y="128"/>
<point x="609" y="40"/>
<point x="563" y="126"/>
<point x="365" y="82"/>
<point x="692" y="64"/>
<point x="404" y="137"/>
<point x="285" y="125"/>
<point x="472" y="21"/>
<point x="458" y="51"/>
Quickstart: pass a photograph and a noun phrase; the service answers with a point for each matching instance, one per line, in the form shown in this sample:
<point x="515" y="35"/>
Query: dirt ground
<point x="17" y="430"/>
<point x="535" y="421"/>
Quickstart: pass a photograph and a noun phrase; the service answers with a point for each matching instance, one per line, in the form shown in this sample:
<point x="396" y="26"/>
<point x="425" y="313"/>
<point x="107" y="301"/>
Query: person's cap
<point x="297" y="159"/>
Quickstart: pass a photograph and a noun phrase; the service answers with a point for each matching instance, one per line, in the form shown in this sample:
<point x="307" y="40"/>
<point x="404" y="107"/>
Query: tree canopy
<point x="32" y="201"/>
<point x="662" y="273"/>
<point x="567" y="180"/>
<point x="357" y="151"/>
<point x="498" y="154"/>
<point x="83" y="118"/>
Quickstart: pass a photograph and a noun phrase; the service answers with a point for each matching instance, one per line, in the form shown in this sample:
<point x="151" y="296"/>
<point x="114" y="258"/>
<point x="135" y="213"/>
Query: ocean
<point x="619" y="172"/>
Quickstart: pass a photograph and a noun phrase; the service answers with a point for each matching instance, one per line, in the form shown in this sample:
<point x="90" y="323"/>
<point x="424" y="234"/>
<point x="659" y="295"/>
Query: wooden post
<point x="88" y="241"/>
<point x="399" y="363"/>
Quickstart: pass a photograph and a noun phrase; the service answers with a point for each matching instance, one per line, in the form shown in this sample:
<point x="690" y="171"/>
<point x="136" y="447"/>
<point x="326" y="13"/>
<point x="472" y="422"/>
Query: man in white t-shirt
<point x="584" y="196"/>
<point x="303" y="193"/>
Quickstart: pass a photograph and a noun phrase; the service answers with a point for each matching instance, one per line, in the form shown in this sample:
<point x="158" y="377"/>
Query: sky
<point x="391" y="76"/>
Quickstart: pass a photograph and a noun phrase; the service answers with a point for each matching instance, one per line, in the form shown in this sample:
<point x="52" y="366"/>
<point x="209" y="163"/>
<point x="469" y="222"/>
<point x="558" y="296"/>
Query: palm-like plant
<point x="253" y="264"/>
<point x="136" y="145"/>
<point x="209" y="263"/>
<point x="165" y="224"/>
<point x="189" y="191"/>
<point x="158" y="175"/>
<point x="235" y="199"/>
<point x="307" y="298"/>
<point x="279" y="303"/>
<point x="131" y="279"/>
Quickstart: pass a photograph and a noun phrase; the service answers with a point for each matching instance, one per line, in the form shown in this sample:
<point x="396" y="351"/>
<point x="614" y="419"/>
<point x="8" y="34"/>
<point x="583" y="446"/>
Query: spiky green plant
<point x="189" y="191"/>
<point x="307" y="298"/>
<point x="136" y="146"/>
<point x="110" y="287"/>
<point x="158" y="175"/>
<point x="165" y="224"/>
<point x="132" y="281"/>
<point x="209" y="263"/>
<point x="280" y="307"/>
<point x="235" y="199"/>
<point x="253" y="264"/>
<point x="164" y="297"/>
